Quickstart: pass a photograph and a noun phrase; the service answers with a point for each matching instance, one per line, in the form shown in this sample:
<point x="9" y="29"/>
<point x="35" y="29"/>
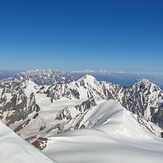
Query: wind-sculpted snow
<point x="73" y="116"/>
<point x="113" y="135"/>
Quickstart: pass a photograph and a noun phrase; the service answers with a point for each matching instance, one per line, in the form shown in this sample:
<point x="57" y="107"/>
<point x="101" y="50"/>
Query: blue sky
<point x="115" y="35"/>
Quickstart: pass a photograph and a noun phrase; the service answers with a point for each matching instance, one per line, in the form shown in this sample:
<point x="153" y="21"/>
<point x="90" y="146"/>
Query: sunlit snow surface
<point x="13" y="149"/>
<point x="116" y="137"/>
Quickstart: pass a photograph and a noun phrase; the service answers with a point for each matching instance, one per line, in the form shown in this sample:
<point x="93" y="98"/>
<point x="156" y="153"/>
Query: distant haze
<point x="123" y="79"/>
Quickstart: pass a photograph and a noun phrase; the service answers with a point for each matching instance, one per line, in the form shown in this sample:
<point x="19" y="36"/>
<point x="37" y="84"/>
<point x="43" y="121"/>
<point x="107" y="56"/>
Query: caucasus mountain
<point x="46" y="109"/>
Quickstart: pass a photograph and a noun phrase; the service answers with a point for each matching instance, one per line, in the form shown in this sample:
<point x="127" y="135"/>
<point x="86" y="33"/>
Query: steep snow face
<point x="112" y="135"/>
<point x="13" y="149"/>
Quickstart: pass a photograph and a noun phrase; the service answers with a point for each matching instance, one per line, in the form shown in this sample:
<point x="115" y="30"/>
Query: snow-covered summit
<point x="145" y="83"/>
<point x="88" y="78"/>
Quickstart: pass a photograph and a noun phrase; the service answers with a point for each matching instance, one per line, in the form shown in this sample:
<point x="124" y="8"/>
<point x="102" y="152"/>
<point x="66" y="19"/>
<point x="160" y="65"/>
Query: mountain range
<point x="80" y="116"/>
<point x="42" y="76"/>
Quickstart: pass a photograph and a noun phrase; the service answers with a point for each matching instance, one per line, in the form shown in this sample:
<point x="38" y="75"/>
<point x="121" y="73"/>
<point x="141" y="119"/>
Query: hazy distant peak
<point x="89" y="71"/>
<point x="120" y="72"/>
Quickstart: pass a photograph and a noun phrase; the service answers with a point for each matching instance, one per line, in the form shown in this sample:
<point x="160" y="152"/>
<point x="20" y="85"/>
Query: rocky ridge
<point x="19" y="110"/>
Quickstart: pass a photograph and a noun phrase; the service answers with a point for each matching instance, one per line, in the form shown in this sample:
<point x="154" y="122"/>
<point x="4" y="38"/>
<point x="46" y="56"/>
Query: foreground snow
<point x="116" y="137"/>
<point x="13" y="149"/>
<point x="95" y="146"/>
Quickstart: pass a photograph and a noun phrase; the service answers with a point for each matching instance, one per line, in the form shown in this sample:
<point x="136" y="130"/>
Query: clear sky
<point x="115" y="35"/>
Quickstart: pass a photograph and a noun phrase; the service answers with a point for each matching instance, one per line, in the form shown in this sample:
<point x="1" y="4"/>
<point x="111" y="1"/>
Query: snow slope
<point x="115" y="137"/>
<point x="13" y="149"/>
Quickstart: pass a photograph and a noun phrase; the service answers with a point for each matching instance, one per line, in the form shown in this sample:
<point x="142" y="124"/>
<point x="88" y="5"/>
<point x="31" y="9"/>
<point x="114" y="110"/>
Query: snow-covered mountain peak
<point x="89" y="81"/>
<point x="143" y="81"/>
<point x="29" y="84"/>
<point x="146" y="84"/>
<point x="88" y="78"/>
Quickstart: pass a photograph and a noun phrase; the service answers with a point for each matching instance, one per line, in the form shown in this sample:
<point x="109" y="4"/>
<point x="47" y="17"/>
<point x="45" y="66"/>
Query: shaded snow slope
<point x="115" y="136"/>
<point x="13" y="149"/>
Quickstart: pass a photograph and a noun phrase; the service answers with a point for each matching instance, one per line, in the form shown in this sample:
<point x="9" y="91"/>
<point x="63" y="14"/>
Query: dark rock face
<point x="157" y="118"/>
<point x="58" y="91"/>
<point x="86" y="105"/>
<point x="162" y="134"/>
<point x="64" y="114"/>
<point x="18" y="128"/>
<point x="75" y="93"/>
<point x="40" y="143"/>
